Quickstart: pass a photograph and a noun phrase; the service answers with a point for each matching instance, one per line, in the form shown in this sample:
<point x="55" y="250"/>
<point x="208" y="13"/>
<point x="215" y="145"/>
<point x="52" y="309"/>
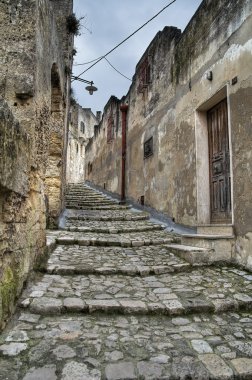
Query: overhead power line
<point x="87" y="63"/>
<point x="117" y="70"/>
<point x="127" y="38"/>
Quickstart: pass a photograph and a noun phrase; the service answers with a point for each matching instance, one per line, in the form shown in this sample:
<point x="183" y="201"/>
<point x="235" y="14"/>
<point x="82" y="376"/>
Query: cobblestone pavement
<point x="118" y="305"/>
<point x="110" y="260"/>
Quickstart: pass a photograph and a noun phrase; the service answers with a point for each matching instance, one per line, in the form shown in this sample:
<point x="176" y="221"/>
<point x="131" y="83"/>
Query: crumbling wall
<point x="30" y="44"/>
<point x="22" y="206"/>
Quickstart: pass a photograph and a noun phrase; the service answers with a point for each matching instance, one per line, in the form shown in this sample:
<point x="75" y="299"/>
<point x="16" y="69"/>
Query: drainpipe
<point x="123" y="109"/>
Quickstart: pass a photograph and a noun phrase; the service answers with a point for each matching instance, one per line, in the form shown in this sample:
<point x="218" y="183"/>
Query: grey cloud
<point x="111" y="21"/>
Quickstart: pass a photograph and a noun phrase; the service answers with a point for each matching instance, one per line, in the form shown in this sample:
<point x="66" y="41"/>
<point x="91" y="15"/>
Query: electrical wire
<point x="127" y="38"/>
<point x="117" y="70"/>
<point x="87" y="63"/>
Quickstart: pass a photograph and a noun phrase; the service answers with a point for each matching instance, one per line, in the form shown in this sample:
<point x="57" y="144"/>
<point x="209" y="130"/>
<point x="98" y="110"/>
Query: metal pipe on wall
<point x="123" y="109"/>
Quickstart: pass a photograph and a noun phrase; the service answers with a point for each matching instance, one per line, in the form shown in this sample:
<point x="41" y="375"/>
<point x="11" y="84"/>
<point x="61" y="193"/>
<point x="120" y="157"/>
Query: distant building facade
<point x="82" y="122"/>
<point x="188" y="131"/>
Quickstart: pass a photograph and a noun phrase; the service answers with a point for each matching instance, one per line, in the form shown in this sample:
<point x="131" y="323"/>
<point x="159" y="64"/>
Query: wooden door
<point x="219" y="161"/>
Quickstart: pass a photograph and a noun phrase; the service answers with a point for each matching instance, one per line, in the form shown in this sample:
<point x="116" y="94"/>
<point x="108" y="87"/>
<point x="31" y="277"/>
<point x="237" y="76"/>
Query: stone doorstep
<point x="193" y="255"/>
<point x="220" y="246"/>
<point x="56" y="306"/>
<point x="215" y="229"/>
<point x="104" y="242"/>
<point x="207" y="236"/>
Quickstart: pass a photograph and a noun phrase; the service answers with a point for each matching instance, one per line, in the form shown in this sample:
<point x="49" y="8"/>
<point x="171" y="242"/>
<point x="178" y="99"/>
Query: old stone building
<point x="82" y="122"/>
<point x="188" y="132"/>
<point x="36" y="44"/>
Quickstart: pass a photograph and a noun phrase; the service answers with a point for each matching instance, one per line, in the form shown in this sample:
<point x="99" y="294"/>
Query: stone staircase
<point x="79" y="197"/>
<point x="121" y="298"/>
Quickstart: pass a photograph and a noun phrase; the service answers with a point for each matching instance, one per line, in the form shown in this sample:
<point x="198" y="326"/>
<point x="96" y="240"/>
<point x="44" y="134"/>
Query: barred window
<point x="82" y="127"/>
<point x="144" y="75"/>
<point x="148" y="148"/>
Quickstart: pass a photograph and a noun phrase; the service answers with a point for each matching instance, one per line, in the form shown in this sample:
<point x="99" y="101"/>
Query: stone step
<point x="107" y="207"/>
<point x="113" y="347"/>
<point x="69" y="260"/>
<point x="83" y="199"/>
<point x="109" y="217"/>
<point x="112" y="227"/>
<point x="90" y="195"/>
<point x="216" y="229"/>
<point x="82" y="190"/>
<point x="220" y="245"/>
<point x="112" y="240"/>
<point x="89" y="203"/>
<point x="136" y="239"/>
<point x="199" y="291"/>
<point x="193" y="255"/>
<point x="84" y="193"/>
<point x="86" y="199"/>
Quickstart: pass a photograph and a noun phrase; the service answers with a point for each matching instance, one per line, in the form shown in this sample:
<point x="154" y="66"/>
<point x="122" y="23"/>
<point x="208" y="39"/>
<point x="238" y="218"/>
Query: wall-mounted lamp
<point x="91" y="88"/>
<point x="210" y="75"/>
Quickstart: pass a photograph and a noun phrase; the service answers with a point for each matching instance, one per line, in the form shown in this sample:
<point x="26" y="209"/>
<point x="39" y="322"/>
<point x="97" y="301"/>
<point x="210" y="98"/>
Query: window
<point x="110" y="128"/>
<point x="82" y="127"/>
<point x="148" y="148"/>
<point x="144" y="75"/>
<point x="90" y="168"/>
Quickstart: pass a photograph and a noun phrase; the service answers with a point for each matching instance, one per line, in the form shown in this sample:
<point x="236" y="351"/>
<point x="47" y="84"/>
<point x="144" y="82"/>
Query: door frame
<point x="202" y="156"/>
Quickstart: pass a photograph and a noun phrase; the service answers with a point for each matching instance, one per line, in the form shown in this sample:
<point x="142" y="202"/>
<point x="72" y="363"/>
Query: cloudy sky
<point x="108" y="22"/>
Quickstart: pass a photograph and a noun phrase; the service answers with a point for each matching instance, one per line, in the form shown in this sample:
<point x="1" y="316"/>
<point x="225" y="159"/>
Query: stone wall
<point x="168" y="103"/>
<point x="103" y="152"/>
<point x="34" y="44"/>
<point x="81" y="129"/>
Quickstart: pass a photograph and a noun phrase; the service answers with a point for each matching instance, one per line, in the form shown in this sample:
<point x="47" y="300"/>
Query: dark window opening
<point x="148" y="148"/>
<point x="144" y="75"/>
<point x="110" y="128"/>
<point x="82" y="127"/>
<point x="90" y="168"/>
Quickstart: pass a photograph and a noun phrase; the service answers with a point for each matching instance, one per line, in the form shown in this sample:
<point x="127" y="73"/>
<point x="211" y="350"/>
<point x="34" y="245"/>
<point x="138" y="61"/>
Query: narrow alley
<point x="114" y="302"/>
<point x="125" y="190"/>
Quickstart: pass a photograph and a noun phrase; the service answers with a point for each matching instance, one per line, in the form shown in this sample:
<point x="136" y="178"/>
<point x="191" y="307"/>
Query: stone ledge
<point x="115" y="242"/>
<point x="173" y="307"/>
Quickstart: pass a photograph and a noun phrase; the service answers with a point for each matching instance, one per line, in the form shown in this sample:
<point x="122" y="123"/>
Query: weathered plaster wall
<point x="30" y="44"/>
<point x="103" y="152"/>
<point x="225" y="48"/>
<point x="81" y="129"/>
<point x="171" y="107"/>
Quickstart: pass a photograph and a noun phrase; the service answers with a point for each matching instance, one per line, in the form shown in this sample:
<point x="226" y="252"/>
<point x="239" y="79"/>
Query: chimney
<point x="98" y="116"/>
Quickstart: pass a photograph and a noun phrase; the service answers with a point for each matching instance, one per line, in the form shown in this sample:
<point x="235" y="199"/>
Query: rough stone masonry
<point x="36" y="49"/>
